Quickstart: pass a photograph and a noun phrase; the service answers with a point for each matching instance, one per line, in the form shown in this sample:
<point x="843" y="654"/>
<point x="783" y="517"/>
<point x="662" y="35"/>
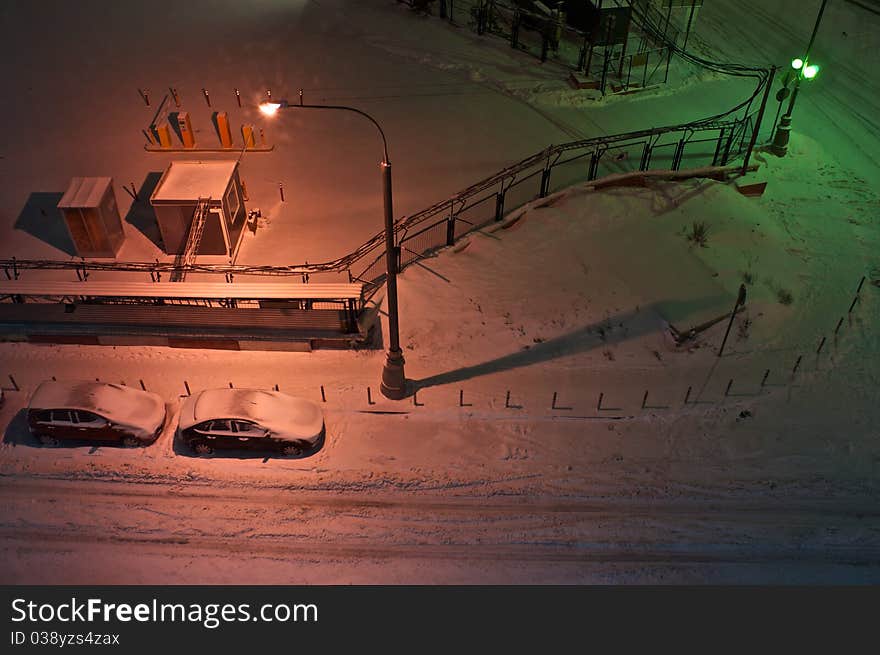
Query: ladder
<point x="187" y="257"/>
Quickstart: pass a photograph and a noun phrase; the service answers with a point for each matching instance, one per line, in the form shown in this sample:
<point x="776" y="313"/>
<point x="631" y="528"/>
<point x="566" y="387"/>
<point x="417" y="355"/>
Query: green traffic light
<point x="797" y="64"/>
<point x="811" y="71"/>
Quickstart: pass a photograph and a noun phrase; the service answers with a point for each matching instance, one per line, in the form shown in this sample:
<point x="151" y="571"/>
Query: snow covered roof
<point x="191" y="180"/>
<point x="85" y="192"/>
<point x="281" y="414"/>
<point x="117" y="403"/>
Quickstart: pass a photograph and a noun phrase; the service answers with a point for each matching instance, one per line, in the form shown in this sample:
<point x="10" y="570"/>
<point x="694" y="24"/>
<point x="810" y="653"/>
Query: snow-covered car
<point x="250" y="419"/>
<point x="95" y="411"/>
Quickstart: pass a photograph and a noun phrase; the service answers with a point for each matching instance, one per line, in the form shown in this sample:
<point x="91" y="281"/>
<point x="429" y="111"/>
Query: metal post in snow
<point x="758" y="120"/>
<point x="740" y="300"/>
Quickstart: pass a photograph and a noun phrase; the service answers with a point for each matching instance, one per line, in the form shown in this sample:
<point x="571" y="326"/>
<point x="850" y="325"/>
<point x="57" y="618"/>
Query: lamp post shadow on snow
<point x="636" y="323"/>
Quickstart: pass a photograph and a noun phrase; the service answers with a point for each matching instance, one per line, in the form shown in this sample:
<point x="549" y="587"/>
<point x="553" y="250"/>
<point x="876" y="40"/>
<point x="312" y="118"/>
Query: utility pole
<point x="805" y="70"/>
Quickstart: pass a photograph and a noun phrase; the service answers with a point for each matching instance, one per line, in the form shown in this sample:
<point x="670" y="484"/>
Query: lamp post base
<point x="393" y="377"/>
<point x="779" y="147"/>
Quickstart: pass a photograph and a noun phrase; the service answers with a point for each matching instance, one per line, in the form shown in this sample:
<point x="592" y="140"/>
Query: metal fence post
<point x="679" y="152"/>
<point x="718" y="146"/>
<point x="646" y="157"/>
<point x="499" y="206"/>
<point x="758" y="120"/>
<point x="727" y="148"/>
<point x="545" y="182"/>
<point x="594" y="165"/>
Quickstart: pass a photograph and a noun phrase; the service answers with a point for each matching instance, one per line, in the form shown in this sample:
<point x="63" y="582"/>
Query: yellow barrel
<point x="247" y="132"/>
<point x="163" y="131"/>
<point x="186" y="133"/>
<point x="223" y="129"/>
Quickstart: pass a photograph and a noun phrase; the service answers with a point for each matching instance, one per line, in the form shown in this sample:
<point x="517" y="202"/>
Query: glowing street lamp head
<point x="270" y="108"/>
<point x="811" y="71"/>
<point x="797" y="63"/>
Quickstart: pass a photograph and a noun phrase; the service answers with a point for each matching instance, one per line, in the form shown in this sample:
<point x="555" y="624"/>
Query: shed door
<point x="78" y="231"/>
<point x="95" y="228"/>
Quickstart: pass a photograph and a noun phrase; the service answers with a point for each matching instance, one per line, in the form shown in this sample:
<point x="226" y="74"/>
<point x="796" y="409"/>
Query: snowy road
<point x="292" y="536"/>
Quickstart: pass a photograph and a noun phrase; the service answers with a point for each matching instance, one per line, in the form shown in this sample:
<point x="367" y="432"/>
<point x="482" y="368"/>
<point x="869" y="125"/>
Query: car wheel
<point x="131" y="442"/>
<point x="201" y="448"/>
<point x="46" y="440"/>
<point x="292" y="450"/>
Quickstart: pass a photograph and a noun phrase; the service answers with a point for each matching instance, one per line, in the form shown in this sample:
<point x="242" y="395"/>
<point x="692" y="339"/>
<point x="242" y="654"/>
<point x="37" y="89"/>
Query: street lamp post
<point x="805" y="70"/>
<point x="393" y="383"/>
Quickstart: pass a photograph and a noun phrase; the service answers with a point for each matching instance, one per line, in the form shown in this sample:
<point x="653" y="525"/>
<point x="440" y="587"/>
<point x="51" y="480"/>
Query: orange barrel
<point x="247" y="132"/>
<point x="186" y="133"/>
<point x="223" y="129"/>
<point x="163" y="131"/>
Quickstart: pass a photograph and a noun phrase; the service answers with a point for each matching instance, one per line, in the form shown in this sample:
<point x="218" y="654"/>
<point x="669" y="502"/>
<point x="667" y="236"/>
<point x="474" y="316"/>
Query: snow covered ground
<point x="702" y="481"/>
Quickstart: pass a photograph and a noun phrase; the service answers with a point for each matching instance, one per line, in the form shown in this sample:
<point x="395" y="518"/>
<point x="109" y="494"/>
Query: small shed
<point x="186" y="184"/>
<point x="92" y="217"/>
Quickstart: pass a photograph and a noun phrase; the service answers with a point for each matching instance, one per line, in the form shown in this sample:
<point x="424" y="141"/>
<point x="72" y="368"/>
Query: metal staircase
<point x="187" y="257"/>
